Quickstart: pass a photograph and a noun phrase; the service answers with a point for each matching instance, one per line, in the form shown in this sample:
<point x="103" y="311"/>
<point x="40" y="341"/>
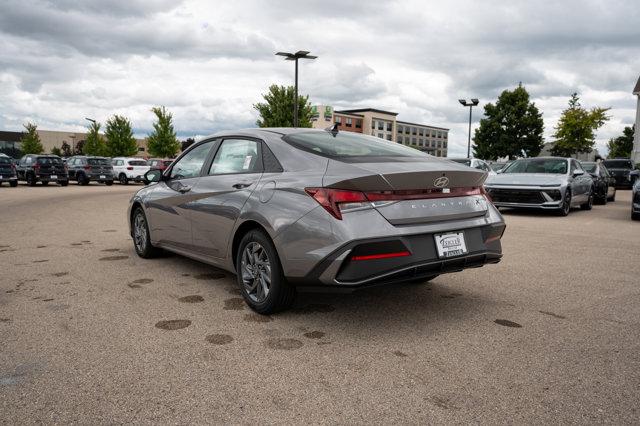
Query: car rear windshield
<point x="99" y="162"/>
<point x="348" y="145"/>
<point x="537" y="165"/>
<point x="137" y="163"/>
<point x="5" y="160"/>
<point x="618" y="164"/>
<point x="49" y="160"/>
<point x="589" y="167"/>
<point x="167" y="162"/>
<point x="464" y="161"/>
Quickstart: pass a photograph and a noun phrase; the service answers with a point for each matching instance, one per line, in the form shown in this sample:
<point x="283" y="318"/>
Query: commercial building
<point x="384" y="125"/>
<point x="10" y="142"/>
<point x="581" y="156"/>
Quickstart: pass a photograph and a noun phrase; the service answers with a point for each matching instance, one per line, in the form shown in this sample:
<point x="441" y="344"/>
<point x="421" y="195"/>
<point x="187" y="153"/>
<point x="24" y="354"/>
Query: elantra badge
<point x="441" y="182"/>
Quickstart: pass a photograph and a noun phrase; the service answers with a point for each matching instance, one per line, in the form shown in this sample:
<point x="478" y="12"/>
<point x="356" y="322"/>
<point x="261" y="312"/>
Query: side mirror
<point x="153" y="176"/>
<point x="499" y="171"/>
<point x="578" y="173"/>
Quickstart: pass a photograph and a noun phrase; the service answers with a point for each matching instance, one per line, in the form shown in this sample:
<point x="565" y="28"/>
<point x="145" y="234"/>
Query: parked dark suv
<point x="8" y="171"/>
<point x="604" y="185"/>
<point x="85" y="169"/>
<point x="622" y="169"/>
<point x="34" y="168"/>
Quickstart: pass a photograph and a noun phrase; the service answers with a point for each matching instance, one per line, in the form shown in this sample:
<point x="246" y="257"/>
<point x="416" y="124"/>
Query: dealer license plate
<point x="103" y="177"/>
<point x="54" y="176"/>
<point x="450" y="245"/>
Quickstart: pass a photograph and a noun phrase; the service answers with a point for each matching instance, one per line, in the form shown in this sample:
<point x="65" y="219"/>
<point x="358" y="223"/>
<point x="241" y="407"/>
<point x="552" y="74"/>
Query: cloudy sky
<point x="209" y="62"/>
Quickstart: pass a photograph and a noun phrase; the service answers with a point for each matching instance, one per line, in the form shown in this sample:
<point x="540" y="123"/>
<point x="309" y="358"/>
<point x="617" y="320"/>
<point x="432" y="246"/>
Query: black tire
<point x="45" y="183"/>
<point x="83" y="180"/>
<point x="635" y="216"/>
<point x="31" y="179"/>
<point x="589" y="204"/>
<point x="64" y="183"/>
<point x="109" y="183"/>
<point x="13" y="183"/>
<point x="123" y="179"/>
<point x="281" y="294"/>
<point x="142" y="242"/>
<point x="565" y="208"/>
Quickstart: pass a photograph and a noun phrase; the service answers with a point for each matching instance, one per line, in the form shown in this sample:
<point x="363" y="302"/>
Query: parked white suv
<point x="127" y="169"/>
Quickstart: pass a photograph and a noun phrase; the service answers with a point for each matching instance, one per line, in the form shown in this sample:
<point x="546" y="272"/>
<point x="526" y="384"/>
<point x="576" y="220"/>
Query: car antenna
<point x="333" y="129"/>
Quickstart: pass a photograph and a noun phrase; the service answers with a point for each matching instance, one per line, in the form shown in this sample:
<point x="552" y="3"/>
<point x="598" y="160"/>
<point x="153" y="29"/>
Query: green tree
<point x="162" y="142"/>
<point x="575" y="131"/>
<point x="79" y="147"/>
<point x="120" y="140"/>
<point x="95" y="144"/>
<point x="30" y="142"/>
<point x="622" y="146"/>
<point x="66" y="149"/>
<point x="56" y="151"/>
<point x="511" y="127"/>
<point x="277" y="111"/>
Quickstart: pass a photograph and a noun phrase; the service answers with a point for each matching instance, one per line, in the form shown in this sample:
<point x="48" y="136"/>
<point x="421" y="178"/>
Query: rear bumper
<point x="98" y="177"/>
<point x="340" y="271"/>
<point x="47" y="178"/>
<point x="8" y="178"/>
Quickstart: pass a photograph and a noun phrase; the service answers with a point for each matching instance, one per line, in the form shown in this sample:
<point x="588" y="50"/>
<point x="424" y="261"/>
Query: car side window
<point x="191" y="163"/>
<point x="236" y="156"/>
<point x="572" y="167"/>
<point x="577" y="166"/>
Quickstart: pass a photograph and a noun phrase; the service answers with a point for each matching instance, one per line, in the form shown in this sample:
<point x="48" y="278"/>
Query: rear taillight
<point x="13" y="167"/>
<point x="36" y="167"/>
<point x="87" y="167"/>
<point x="336" y="201"/>
<point x="379" y="256"/>
<point x="130" y="168"/>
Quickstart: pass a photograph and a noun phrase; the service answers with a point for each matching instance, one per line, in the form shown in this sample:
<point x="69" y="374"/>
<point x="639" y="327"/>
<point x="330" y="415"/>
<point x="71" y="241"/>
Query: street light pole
<point x="300" y="54"/>
<point x="473" y="102"/>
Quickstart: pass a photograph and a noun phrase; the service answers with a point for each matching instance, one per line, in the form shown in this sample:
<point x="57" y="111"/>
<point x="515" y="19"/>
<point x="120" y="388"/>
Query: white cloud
<point x="209" y="62"/>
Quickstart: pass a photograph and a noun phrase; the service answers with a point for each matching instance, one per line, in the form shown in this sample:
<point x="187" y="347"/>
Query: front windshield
<point x="618" y="164"/>
<point x="538" y="165"/>
<point x="498" y="166"/>
<point x="589" y="167"/>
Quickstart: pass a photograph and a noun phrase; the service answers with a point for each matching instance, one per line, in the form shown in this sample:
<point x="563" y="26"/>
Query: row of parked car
<point x="558" y="184"/>
<point x="45" y="169"/>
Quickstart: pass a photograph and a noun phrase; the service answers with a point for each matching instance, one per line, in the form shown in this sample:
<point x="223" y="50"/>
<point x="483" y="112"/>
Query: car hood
<point x="526" y="179"/>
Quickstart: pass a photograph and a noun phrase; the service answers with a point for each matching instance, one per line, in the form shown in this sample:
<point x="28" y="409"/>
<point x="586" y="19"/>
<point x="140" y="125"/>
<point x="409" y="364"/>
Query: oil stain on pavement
<point x="283" y="343"/>
<point x="111" y="250"/>
<point x="110" y="258"/>
<point x="400" y="354"/>
<point x="219" y="339"/>
<point x="60" y="274"/>
<point x="507" y="323"/>
<point x="209" y="276"/>
<point x="314" y="335"/>
<point x="143" y="281"/>
<point x="191" y="299"/>
<point x="173" y="324"/>
<point x="234" y="304"/>
<point x="553" y="315"/>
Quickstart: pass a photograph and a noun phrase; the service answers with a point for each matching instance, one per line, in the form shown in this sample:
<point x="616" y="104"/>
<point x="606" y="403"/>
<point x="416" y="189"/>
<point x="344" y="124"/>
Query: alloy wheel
<point x="566" y="206"/>
<point x="256" y="272"/>
<point x="140" y="232"/>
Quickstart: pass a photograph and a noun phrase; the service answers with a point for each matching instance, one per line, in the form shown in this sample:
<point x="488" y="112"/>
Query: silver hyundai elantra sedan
<point x="301" y="209"/>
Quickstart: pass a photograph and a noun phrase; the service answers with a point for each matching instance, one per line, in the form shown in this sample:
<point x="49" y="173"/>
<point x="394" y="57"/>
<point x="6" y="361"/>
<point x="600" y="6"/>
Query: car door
<point x="581" y="185"/>
<point x="171" y="200"/>
<point x="221" y="193"/>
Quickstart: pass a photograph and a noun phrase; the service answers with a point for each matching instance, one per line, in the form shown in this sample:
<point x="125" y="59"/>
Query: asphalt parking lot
<point x="90" y="333"/>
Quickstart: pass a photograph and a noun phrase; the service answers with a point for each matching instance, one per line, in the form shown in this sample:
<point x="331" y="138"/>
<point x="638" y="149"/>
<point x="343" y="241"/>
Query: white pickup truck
<point x="127" y="169"/>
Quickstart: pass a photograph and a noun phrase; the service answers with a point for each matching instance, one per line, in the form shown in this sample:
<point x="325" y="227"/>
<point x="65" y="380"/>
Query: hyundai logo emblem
<point x="441" y="182"/>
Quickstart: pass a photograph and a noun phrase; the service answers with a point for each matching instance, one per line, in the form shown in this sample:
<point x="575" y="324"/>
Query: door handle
<point x="184" y="189"/>
<point x="242" y="185"/>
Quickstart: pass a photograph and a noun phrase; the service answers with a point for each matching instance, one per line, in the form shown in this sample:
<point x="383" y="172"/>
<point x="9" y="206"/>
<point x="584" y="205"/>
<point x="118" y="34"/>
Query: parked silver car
<point x="551" y="183"/>
<point x="288" y="209"/>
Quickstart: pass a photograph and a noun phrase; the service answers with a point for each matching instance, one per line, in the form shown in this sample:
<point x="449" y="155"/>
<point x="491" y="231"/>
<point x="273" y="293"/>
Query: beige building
<point x="384" y="125"/>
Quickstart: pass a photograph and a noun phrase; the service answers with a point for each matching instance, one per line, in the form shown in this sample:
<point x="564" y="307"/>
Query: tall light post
<point x="471" y="103"/>
<point x="300" y="54"/>
<point x="91" y="120"/>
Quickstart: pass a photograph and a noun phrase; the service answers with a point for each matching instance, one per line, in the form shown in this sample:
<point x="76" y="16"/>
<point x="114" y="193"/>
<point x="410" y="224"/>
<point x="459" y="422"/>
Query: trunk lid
<point x="439" y="179"/>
